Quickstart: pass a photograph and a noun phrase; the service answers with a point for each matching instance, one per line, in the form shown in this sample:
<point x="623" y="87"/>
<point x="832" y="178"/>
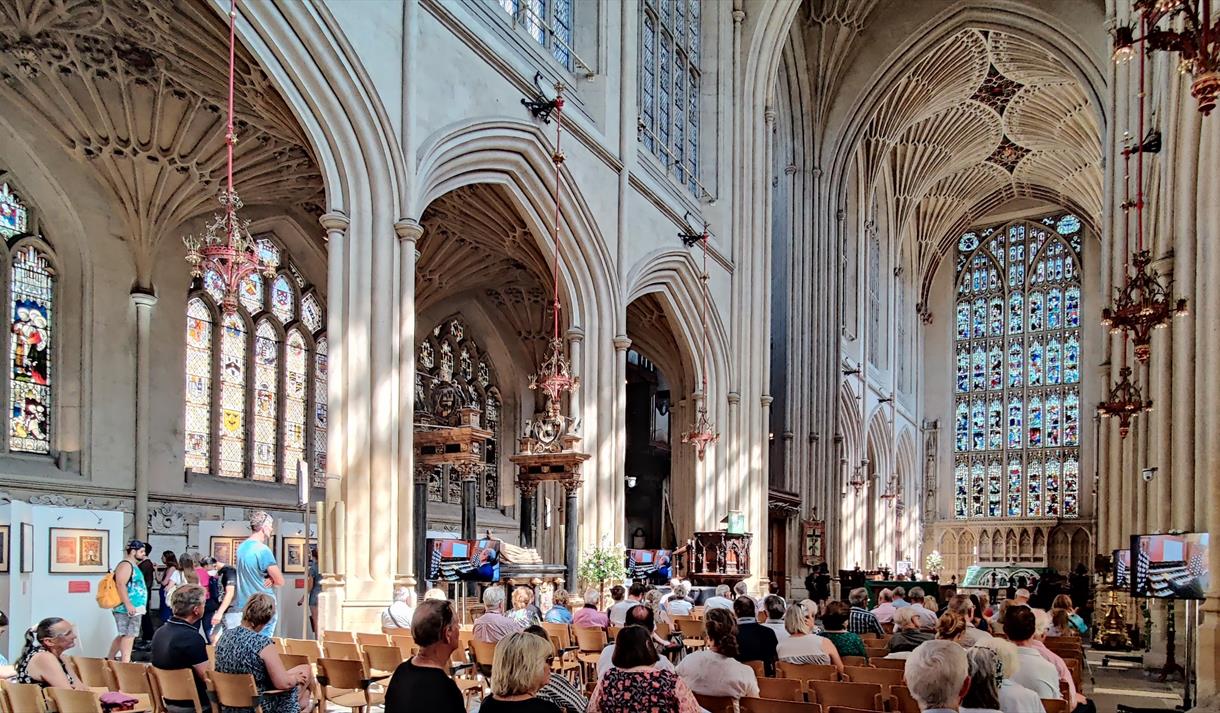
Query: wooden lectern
<point x="711" y="558"/>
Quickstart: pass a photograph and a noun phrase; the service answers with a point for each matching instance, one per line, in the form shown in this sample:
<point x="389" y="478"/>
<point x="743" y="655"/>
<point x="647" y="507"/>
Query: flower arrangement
<point x="933" y="562"/>
<point x="603" y="563"/>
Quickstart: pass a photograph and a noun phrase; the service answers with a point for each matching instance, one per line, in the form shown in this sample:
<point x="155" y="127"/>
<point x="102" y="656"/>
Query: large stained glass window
<point x="31" y="298"/>
<point x="451" y="371"/>
<point x="256" y="379"/>
<point x="669" y="85"/>
<point x="548" y="22"/>
<point x="1017" y="371"/>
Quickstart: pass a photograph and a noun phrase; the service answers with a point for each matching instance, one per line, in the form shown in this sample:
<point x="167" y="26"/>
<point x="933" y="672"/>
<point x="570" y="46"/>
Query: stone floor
<point x="1125" y="683"/>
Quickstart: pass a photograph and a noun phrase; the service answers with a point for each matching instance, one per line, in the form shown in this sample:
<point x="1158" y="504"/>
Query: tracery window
<point x="669" y="85"/>
<point x="451" y="371"/>
<point x="31" y="286"/>
<point x="1017" y="364"/>
<point x="548" y="22"/>
<point x="253" y="377"/>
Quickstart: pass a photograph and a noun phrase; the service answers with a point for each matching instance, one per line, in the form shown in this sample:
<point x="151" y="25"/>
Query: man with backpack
<point x="132" y="592"/>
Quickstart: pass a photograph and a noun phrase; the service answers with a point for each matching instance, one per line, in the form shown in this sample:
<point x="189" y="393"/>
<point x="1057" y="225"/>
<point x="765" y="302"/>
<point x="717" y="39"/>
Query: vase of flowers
<point x="933" y="563"/>
<point x="603" y="563"/>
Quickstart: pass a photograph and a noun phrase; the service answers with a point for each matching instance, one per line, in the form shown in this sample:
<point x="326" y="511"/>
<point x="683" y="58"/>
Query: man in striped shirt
<point x="861" y="620"/>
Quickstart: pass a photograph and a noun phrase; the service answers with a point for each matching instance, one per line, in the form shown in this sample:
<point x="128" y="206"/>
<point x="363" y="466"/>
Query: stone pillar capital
<point x="408" y="230"/>
<point x="734" y="398"/>
<point x="575" y="334"/>
<point x="334" y="222"/>
<point x="142" y="297"/>
<point x="621" y="343"/>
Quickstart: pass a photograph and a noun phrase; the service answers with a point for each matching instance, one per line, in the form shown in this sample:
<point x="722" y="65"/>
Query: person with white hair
<point x="938" y="676"/>
<point x="984" y="693"/>
<point x="927" y="617"/>
<point x="678" y="604"/>
<point x="1021" y="598"/>
<point x="1013" y="696"/>
<point x="436" y="594"/>
<point x="398" y="614"/>
<point x="494" y="625"/>
<point x="721" y="600"/>
<point x="907" y="634"/>
<point x="589" y="616"/>
<point x="1042" y="622"/>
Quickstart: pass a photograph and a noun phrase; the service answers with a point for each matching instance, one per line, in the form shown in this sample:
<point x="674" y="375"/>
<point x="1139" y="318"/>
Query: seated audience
<point x="524" y="612"/>
<point x="559" y="613"/>
<point x="834" y="627"/>
<point x="938" y="676"/>
<point x="862" y="620"/>
<point x="755" y="641"/>
<point x="930" y="603"/>
<point x="435" y="594"/>
<point x="42" y="661"/>
<point x="180" y="645"/>
<point x="714" y="670"/>
<point x="884" y="612"/>
<point x="422" y="682"/>
<point x="1064" y="619"/>
<point x="678" y="603"/>
<point x="493" y="625"/>
<point x="1013" y="696"/>
<point x="246" y="650"/>
<point x="589" y="616"/>
<point x="952" y="627"/>
<point x="900" y="598"/>
<point x="400" y="612"/>
<point x="618" y="612"/>
<point x="641" y="616"/>
<point x="962" y="604"/>
<point x="984" y="693"/>
<point x="907" y="633"/>
<point x="1036" y="673"/>
<point x="617" y="593"/>
<point x="635" y="681"/>
<point x="984" y="608"/>
<point x="1042" y="622"/>
<point x="1021" y="597"/>
<point x="927" y="617"/>
<point x="802" y="645"/>
<point x="559" y="690"/>
<point x="519" y="670"/>
<point x="977" y="619"/>
<point x="774" y="607"/>
<point x="721" y="600"/>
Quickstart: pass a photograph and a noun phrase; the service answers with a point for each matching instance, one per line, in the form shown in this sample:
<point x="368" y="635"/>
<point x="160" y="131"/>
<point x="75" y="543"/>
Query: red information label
<point x="300" y="584"/>
<point x="79" y="587"/>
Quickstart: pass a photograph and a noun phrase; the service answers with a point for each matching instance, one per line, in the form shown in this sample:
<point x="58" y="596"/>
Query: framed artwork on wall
<point x="294" y="559"/>
<point x="27" y="548"/>
<point x="5" y="545"/>
<point x="79" y="551"/>
<point x="813" y="542"/>
<point x="222" y="547"/>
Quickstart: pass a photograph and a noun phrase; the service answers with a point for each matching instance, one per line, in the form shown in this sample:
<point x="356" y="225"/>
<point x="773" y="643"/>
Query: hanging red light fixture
<point x="702" y="433"/>
<point x="555" y="376"/>
<point x="226" y="248"/>
<point x="1124" y="402"/>
<point x="1190" y="31"/>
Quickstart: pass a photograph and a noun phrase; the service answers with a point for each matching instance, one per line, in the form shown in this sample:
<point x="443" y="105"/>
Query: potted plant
<point x="933" y="563"/>
<point x="601" y="564"/>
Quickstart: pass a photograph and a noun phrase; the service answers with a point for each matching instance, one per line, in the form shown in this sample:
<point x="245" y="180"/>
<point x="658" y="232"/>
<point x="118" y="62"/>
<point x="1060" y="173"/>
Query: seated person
<point x="638" y="615"/>
<point x="7" y="670"/>
<point x="41" y="660"/>
<point x="559" y="613"/>
<point x="834" y="627"/>
<point x="678" y="604"/>
<point x="519" y="671"/>
<point x="802" y="645"/>
<point x="755" y="641"/>
<point x="246" y="650"/>
<point x="422" y="682"/>
<point x="938" y="676"/>
<point x="1035" y="673"/>
<point x="559" y="690"/>
<point x="589" y="616"/>
<point x="493" y="625"/>
<point x="713" y="671"/>
<point x="180" y="644"/>
<point x="524" y="612"/>
<point x="398" y="615"/>
<point x="636" y="681"/>
<point x="907" y="634"/>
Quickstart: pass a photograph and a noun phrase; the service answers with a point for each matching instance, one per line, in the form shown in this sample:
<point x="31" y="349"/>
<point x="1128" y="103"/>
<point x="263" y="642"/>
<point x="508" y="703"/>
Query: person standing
<point x="215" y="594"/>
<point x="150" y="621"/>
<point x="257" y="571"/>
<point x="224" y="589"/>
<point x="313" y="588"/>
<point x="422" y="682"/>
<point x="170" y="580"/>
<point x="133" y="591"/>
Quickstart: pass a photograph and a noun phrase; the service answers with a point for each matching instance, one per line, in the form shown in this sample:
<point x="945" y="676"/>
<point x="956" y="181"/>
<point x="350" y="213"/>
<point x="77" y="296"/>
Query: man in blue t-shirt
<point x="257" y="571"/>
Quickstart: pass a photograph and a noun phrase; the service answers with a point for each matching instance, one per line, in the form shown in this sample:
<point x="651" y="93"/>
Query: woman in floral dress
<point x="634" y="686"/>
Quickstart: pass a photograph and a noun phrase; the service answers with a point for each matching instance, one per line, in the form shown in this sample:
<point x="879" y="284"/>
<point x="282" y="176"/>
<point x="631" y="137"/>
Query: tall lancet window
<point x="669" y="85"/>
<point x="1017" y="368"/>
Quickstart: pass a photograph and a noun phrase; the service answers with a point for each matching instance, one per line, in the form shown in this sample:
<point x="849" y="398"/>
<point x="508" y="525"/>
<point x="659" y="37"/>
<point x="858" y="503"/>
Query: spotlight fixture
<point x="694" y="232"/>
<point x="544" y="104"/>
<point x="851" y="372"/>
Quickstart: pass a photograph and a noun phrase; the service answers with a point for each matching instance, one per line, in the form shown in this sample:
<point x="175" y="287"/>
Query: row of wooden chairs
<point x="829" y="697"/>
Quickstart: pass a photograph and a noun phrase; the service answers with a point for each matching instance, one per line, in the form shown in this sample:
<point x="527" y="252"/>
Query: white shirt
<point x="974" y="635"/>
<point x="708" y="673"/>
<point x="679" y="607"/>
<point x="1018" y="699"/>
<point x="803" y="649"/>
<point x="778" y="627"/>
<point x="718" y="603"/>
<point x="605" y="662"/>
<point x="927" y="617"/>
<point x="397" y="616"/>
<point x="618" y="612"/>
<point x="1037" y="674"/>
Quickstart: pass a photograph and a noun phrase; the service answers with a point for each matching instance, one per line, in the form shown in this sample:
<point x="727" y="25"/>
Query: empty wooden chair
<point x="897" y="664"/>
<point x="129" y="677"/>
<point x="293" y="660"/>
<point x="692" y="632"/>
<point x="844" y="709"/>
<point x="346" y="683"/>
<point x="868" y="696"/>
<point x="901" y="700"/>
<point x="806" y="671"/>
<point x="211" y="656"/>
<point x="303" y="647"/>
<point x="760" y="669"/>
<point x="175" y="685"/>
<point x="867" y="674"/>
<point x="372" y="639"/>
<point x="483" y="654"/>
<point x="1055" y="705"/>
<point x="769" y="705"/>
<point x="404" y="642"/>
<point x="383" y="658"/>
<point x="781" y="689"/>
<point x="345" y="637"/>
<point x="91" y="671"/>
<point x="854" y="660"/>
<point x="346" y="650"/>
<point x="23" y="697"/>
<point x="67" y="700"/>
<point x="717" y="704"/>
<point x="612" y="632"/>
<point x="589" y="644"/>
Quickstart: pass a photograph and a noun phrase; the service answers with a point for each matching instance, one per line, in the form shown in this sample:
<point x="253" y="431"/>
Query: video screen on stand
<point x="652" y="565"/>
<point x="1170" y="566"/>
<point x="463" y="560"/>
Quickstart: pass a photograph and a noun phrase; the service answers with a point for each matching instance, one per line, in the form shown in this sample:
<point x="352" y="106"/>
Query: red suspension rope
<point x="230" y="138"/>
<point x="703" y="318"/>
<point x="1139" y="142"/>
<point x="557" y="158"/>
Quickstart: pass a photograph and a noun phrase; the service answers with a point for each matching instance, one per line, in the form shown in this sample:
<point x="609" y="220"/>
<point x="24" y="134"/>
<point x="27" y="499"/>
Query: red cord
<point x="557" y="160"/>
<point x="1139" y="139"/>
<point x="704" y="317"/>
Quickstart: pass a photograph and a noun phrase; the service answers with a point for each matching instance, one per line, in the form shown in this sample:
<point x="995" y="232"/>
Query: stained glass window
<point x="14" y="216"/>
<point x="251" y="386"/>
<point x="1017" y="371"/>
<point x="547" y="22"/>
<point x="31" y="299"/>
<point x="452" y="370"/>
<point x="669" y="85"/>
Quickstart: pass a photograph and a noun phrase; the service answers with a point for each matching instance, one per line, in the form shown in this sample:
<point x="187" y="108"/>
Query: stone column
<point x="330" y="615"/>
<point x="576" y="337"/>
<point x="419" y="517"/>
<point x="409" y="233"/>
<point x="470" y="494"/>
<point x="144" y="302"/>
<point x="571" y="532"/>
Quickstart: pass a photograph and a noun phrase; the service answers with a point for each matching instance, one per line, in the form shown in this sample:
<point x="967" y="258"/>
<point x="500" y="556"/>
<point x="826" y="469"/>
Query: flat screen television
<point x="656" y="566"/>
<point x="1170" y="566"/>
<point x="1120" y="563"/>
<point x="463" y="560"/>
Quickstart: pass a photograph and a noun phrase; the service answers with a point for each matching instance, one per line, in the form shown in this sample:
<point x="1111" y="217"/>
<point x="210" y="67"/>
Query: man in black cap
<point x="148" y="625"/>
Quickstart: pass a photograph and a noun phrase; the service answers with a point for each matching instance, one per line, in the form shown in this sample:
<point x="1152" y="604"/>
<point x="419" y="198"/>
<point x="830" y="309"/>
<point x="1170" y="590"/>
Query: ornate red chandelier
<point x="1188" y="30"/>
<point x="226" y="248"/>
<point x="1124" y="402"/>
<point x="702" y="433"/>
<point x="555" y="376"/>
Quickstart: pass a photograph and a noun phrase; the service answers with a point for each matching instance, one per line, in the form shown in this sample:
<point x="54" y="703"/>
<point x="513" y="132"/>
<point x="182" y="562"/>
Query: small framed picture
<point x="5" y="546"/>
<point x="222" y="548"/>
<point x="294" y="559"/>
<point x="27" y="548"/>
<point x="79" y="551"/>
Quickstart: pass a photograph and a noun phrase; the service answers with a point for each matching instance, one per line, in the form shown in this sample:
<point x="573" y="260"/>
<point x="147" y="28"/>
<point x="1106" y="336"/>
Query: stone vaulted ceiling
<point x="135" y="89"/>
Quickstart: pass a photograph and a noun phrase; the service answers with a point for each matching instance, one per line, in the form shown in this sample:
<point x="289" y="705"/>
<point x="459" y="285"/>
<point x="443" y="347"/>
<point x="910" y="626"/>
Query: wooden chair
<point x="612" y="632"/>
<point x="888" y="627"/>
<point x="897" y="664"/>
<point x="844" y="709"/>
<point x="769" y="705"/>
<point x="854" y="660"/>
<point x="303" y="647"/>
<point x="760" y="669"/>
<point x="238" y="690"/>
<point x="345" y="637"/>
<point x="867" y="674"/>
<point x="1055" y="705"/>
<point x="22" y="697"/>
<point x="1074" y="666"/>
<point x="91" y="671"/>
<point x="692" y="632"/>
<point x="717" y="704"/>
<point x="130" y="677"/>
<point x="901" y="700"/>
<point x="383" y="658"/>
<point x="562" y="631"/>
<point x="589" y="645"/>
<point x="372" y="639"/>
<point x="806" y="671"/>
<point x="176" y="685"/>
<point x="781" y="689"/>
<point x="565" y="663"/>
<point x="867" y="696"/>
<point x="876" y="652"/>
<point x="345" y="650"/>
<point x="404" y="642"/>
<point x="67" y="700"/>
<point x="211" y="656"/>
<point x="346" y="683"/>
<point x="483" y="653"/>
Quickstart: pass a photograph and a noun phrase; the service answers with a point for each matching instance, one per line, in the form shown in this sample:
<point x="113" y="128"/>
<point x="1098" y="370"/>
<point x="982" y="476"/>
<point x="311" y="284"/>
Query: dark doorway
<point x="649" y="525"/>
<point x="777" y="552"/>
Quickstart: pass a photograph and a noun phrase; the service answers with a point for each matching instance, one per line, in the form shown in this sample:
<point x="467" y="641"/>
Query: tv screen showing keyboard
<point x="1121" y="562"/>
<point x="1170" y="566"/>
